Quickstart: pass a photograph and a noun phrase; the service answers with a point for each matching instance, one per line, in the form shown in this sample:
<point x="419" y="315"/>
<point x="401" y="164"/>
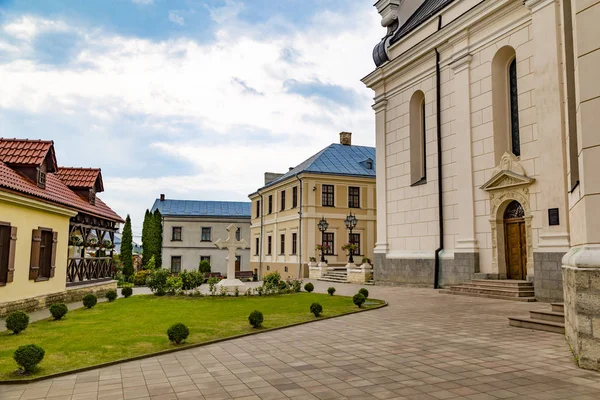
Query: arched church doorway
<point x="515" y="241"/>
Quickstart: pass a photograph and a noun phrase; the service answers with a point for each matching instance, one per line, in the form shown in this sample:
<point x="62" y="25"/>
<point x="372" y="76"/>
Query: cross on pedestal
<point x="231" y="244"/>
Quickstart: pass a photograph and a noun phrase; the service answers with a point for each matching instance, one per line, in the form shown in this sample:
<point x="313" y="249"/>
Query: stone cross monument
<point x="232" y="245"/>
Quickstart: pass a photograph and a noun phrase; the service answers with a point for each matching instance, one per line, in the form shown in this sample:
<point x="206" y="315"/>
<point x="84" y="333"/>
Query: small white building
<point x="191" y="227"/>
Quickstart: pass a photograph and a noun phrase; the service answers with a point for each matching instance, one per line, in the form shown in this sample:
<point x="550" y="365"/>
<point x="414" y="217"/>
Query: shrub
<point x="157" y="281"/>
<point x="364" y="292"/>
<point x="366" y="260"/>
<point x="126" y="292"/>
<point x="295" y="285"/>
<point x="90" y="300"/>
<point x="151" y="264"/>
<point x="28" y="356"/>
<point x="256" y="319"/>
<point x="17" y="321"/>
<point x="316" y="309"/>
<point x="272" y="278"/>
<point x="212" y="281"/>
<point x="139" y="279"/>
<point x="282" y="285"/>
<point x="178" y="333"/>
<point x="58" y="310"/>
<point x="358" y="299"/>
<point x="236" y="292"/>
<point x="331" y="290"/>
<point x="111" y="295"/>
<point x="309" y="287"/>
<point x="174" y="285"/>
<point x="204" y="267"/>
<point x="191" y="279"/>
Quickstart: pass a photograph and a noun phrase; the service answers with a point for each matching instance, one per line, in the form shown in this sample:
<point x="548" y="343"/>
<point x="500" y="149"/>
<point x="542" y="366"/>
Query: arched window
<point x="418" y="166"/>
<point x="505" y="107"/>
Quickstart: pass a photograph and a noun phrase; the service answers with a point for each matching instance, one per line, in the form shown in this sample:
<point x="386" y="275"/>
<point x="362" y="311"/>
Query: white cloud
<point x="176" y="18"/>
<point x="143" y="2"/>
<point x="225" y="13"/>
<point x="27" y="27"/>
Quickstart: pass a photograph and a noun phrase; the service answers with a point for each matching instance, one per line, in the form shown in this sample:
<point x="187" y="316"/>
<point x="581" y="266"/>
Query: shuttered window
<point x="8" y="241"/>
<point x="43" y="254"/>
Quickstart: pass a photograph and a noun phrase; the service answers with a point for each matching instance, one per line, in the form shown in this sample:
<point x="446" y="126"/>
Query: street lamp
<point x="323" y="225"/>
<point x="350" y="222"/>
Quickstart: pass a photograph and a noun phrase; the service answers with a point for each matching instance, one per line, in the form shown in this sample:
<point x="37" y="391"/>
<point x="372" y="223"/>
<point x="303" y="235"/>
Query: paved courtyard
<point x="424" y="345"/>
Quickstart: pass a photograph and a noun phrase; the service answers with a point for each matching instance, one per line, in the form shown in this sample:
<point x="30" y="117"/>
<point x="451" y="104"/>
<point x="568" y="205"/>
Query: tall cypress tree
<point x="146" y="238"/>
<point x="157" y="234"/>
<point x="127" y="248"/>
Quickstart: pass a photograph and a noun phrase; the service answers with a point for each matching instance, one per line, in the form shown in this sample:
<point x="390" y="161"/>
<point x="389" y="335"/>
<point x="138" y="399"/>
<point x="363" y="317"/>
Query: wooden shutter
<point x="11" y="254"/>
<point x="34" y="263"/>
<point x="54" y="246"/>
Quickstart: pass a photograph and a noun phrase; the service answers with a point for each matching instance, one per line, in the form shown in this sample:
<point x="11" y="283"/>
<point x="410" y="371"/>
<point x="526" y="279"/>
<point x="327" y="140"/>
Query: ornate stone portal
<point x="508" y="183"/>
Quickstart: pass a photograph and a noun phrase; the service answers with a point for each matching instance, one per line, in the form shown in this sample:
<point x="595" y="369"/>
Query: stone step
<point x="537" y="324"/>
<point x="496" y="287"/>
<point x="502" y="282"/>
<point x="506" y="292"/>
<point x="488" y="296"/>
<point x="336" y="273"/>
<point x="332" y="280"/>
<point x="548" y="316"/>
<point x="558" y="307"/>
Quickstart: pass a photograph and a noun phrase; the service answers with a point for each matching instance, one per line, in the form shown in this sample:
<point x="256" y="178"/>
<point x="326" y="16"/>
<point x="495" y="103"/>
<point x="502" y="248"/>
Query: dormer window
<point x="92" y="197"/>
<point x="369" y="164"/>
<point x="41" y="179"/>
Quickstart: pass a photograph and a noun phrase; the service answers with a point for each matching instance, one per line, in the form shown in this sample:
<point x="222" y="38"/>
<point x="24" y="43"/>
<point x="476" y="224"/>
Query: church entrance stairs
<point x="549" y="321"/>
<point x="339" y="275"/>
<point x="504" y="289"/>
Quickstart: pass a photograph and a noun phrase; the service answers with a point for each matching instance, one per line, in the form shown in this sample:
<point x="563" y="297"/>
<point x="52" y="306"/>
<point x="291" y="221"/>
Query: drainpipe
<point x="260" y="250"/>
<point x="436" y="284"/>
<point x="300" y="231"/>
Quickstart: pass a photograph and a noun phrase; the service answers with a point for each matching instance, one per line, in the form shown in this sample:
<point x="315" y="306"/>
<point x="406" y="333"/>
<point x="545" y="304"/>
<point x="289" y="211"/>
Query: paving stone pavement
<point x="424" y="345"/>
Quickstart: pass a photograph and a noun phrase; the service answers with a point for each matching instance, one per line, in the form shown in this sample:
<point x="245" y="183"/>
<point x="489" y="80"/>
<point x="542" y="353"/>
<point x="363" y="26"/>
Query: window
<point x="295" y="197"/>
<point x="417" y="139"/>
<point x="328" y="240"/>
<point x="43" y="254"/>
<point x="257" y="245"/>
<point x="355" y="239"/>
<point x="176" y="234"/>
<point x="257" y="208"/>
<point x="354" y="197"/>
<point x="176" y="264"/>
<point x="514" y="108"/>
<point x="282" y="200"/>
<point x="294" y="243"/>
<point x="269" y="243"/>
<point x="282" y="244"/>
<point x="285" y="269"/>
<point x="238" y="234"/>
<point x="8" y="239"/>
<point x="205" y="258"/>
<point x="270" y="204"/>
<point x="206" y="234"/>
<point x="369" y="164"/>
<point x="268" y="267"/>
<point x="327" y="196"/>
<point x="41" y="179"/>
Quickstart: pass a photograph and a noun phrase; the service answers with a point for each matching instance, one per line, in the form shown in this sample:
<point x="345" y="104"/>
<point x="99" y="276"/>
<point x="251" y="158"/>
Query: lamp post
<point x="350" y="222"/>
<point x="323" y="225"/>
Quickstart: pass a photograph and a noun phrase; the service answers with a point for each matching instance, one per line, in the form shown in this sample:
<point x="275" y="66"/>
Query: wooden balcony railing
<point x="87" y="270"/>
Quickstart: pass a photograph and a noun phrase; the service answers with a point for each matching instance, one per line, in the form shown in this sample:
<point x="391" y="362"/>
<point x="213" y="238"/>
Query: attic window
<point x="92" y="197"/>
<point x="369" y="164"/>
<point x="41" y="179"/>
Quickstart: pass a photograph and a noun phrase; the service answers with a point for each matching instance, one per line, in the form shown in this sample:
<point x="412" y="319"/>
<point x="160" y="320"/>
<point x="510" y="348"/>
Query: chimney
<point x="162" y="197"/>
<point x="271" y="176"/>
<point x="346" y="138"/>
<point x="291" y="168"/>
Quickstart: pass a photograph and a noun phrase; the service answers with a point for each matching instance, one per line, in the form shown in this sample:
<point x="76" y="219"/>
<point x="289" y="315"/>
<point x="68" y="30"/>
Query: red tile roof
<point x="26" y="152"/>
<point x="56" y="192"/>
<point x="80" y="177"/>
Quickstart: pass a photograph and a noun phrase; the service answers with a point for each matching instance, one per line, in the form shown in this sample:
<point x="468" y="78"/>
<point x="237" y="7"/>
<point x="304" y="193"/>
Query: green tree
<point x="157" y="235"/>
<point x="146" y="245"/>
<point x="127" y="248"/>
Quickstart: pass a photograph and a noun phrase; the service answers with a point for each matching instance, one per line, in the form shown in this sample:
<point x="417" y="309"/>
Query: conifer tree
<point x="127" y="248"/>
<point x="146" y="238"/>
<point x="157" y="234"/>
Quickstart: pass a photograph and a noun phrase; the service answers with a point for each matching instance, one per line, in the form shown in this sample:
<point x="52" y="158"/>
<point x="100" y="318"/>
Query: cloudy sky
<point x="192" y="98"/>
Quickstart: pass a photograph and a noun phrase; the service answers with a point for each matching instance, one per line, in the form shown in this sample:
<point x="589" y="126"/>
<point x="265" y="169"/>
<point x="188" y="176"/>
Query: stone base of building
<point x="548" y="276"/>
<point x="420" y="271"/>
<point x="70" y="295"/>
<point x="581" y="284"/>
<point x="359" y="273"/>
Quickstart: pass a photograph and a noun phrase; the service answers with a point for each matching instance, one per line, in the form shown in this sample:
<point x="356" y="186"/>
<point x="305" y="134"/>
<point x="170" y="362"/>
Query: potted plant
<point x="107" y="244"/>
<point x="312" y="259"/>
<point x="75" y="241"/>
<point x="366" y="263"/>
<point x="92" y="243"/>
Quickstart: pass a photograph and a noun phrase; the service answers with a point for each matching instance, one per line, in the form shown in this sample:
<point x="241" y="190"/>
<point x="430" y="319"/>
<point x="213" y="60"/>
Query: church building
<point x="484" y="111"/>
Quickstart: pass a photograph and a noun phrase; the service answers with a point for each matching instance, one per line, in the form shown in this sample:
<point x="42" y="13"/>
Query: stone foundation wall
<point x="548" y="276"/>
<point x="71" y="295"/>
<point x="462" y="269"/>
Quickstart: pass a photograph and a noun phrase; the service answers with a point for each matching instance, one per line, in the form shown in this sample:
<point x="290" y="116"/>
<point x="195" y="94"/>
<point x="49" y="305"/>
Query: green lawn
<point x="138" y="325"/>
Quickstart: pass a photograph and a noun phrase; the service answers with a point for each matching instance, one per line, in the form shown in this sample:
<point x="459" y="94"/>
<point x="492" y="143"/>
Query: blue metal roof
<point x="336" y="159"/>
<point x="199" y="208"/>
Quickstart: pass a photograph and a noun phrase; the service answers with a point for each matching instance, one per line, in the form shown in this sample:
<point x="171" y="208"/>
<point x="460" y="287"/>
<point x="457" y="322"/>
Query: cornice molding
<point x="380" y="105"/>
<point x="23" y="201"/>
<point x="461" y="64"/>
<point x="536" y="5"/>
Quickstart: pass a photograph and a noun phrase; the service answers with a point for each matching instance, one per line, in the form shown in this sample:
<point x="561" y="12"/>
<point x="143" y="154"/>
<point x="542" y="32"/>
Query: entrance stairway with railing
<point x="504" y="289"/>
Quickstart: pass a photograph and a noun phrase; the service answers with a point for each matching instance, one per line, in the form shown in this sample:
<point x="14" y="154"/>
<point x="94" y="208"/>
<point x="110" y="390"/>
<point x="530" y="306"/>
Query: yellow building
<point x="286" y="211"/>
<point x="43" y="210"/>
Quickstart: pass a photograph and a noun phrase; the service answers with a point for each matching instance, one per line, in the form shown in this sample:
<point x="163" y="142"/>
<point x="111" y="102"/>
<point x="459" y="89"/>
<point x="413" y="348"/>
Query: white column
<point x="380" y="106"/>
<point x="466" y="242"/>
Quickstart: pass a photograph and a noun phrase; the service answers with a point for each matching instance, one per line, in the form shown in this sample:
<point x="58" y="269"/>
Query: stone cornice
<point x="380" y="105"/>
<point x="461" y="64"/>
<point x="536" y="5"/>
<point x="24" y="201"/>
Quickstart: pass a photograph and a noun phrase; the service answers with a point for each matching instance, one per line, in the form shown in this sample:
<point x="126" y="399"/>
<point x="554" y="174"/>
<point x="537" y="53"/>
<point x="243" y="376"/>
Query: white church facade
<point x="480" y="140"/>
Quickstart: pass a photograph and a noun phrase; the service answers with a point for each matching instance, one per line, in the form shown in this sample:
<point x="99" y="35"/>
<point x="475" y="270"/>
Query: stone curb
<point x="176" y="349"/>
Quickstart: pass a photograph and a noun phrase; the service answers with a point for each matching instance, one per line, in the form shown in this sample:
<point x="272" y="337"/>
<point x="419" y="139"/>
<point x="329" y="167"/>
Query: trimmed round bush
<point x="17" y="321"/>
<point x="364" y="292"/>
<point x="160" y="292"/>
<point x="309" y="287"/>
<point x="90" y="300"/>
<point x="58" y="310"/>
<point x="316" y="309"/>
<point x="28" y="356"/>
<point x="358" y="299"/>
<point x="126" y="292"/>
<point x="178" y="333"/>
<point x="331" y="290"/>
<point x="111" y="295"/>
<point x="256" y="319"/>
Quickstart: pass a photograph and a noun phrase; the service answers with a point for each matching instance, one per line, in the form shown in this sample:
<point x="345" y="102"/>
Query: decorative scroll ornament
<point x="508" y="174"/>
